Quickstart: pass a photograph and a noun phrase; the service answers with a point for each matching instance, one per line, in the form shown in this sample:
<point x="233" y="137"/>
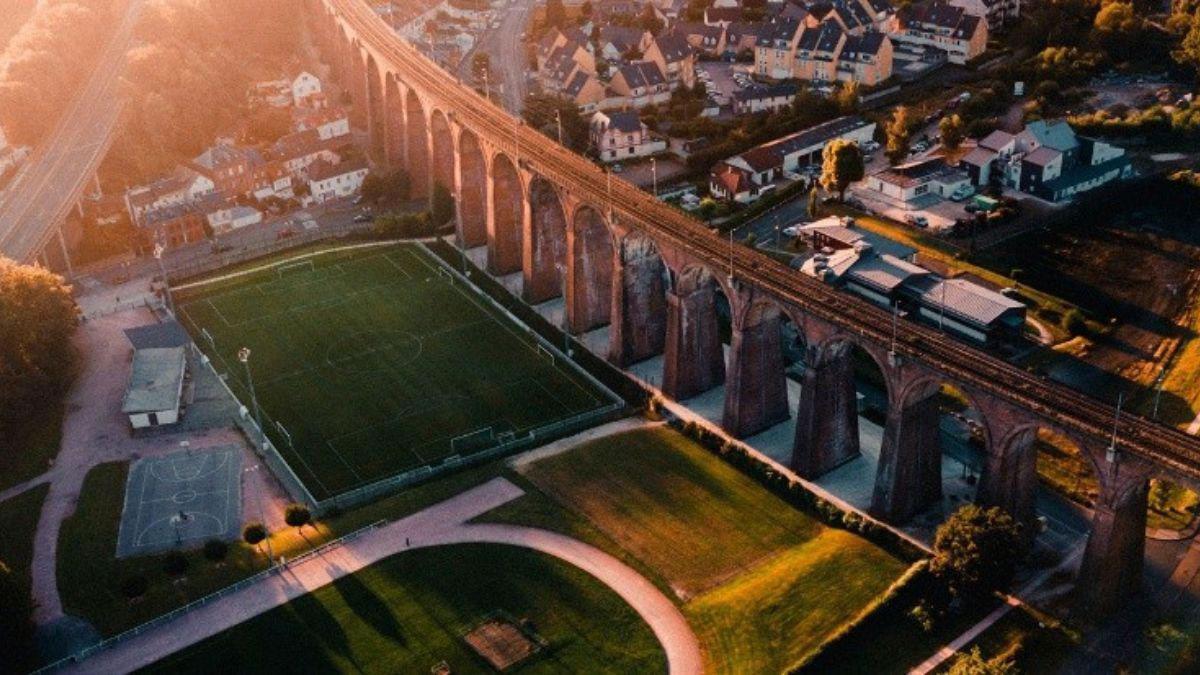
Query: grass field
<point x="409" y="612"/>
<point x="374" y="363"/>
<point x="34" y="441"/>
<point x="761" y="583"/>
<point x="18" y="522"/>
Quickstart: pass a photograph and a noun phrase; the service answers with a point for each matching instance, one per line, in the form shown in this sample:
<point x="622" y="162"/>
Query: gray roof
<point x="627" y="121"/>
<point x="165" y="334"/>
<point x="979" y="157"/>
<point x="641" y="74"/>
<point x="155" y="380"/>
<point x="824" y="38"/>
<point x="833" y="228"/>
<point x="884" y="272"/>
<point x="965" y="299"/>
<point x="1043" y="156"/>
<point x="1055" y="134"/>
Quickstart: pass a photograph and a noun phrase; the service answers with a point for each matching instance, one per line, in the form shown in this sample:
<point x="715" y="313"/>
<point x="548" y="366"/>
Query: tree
<point x="814" y="204"/>
<point x="16" y="624"/>
<point x="297" y="515"/>
<point x="975" y="552"/>
<point x="254" y="533"/>
<point x="847" y="97"/>
<point x="951" y="129"/>
<point x="1188" y="51"/>
<point x="556" y="14"/>
<point x="973" y="663"/>
<point x="544" y="112"/>
<point x="898" y="130"/>
<point x="37" y="318"/>
<point x="215" y="550"/>
<point x="387" y="189"/>
<point x="443" y="205"/>
<point x="648" y="20"/>
<point x="841" y="165"/>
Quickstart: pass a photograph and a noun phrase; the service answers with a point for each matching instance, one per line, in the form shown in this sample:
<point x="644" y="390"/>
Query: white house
<point x="231" y="217"/>
<point x="333" y="181"/>
<point x="623" y="135"/>
<point x="155" y="388"/>
<point x="305" y="89"/>
<point x="909" y="182"/>
<point x="183" y="186"/>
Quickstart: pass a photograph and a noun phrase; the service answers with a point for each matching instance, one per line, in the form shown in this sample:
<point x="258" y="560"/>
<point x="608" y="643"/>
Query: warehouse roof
<point x="155" y="380"/>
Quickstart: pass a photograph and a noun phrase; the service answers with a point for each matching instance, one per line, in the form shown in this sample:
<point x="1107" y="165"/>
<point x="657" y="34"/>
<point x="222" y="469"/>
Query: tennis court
<point x="181" y="500"/>
<point x="372" y="362"/>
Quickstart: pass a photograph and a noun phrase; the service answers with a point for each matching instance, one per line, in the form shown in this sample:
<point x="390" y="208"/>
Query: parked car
<point x="917" y="221"/>
<point x="362" y="218"/>
<point x="856" y="203"/>
<point x="792" y="230"/>
<point x="962" y="193"/>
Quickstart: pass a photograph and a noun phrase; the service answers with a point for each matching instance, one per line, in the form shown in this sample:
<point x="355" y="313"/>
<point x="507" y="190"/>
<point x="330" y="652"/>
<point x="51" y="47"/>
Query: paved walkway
<point x="441" y="524"/>
<point x="94" y="432"/>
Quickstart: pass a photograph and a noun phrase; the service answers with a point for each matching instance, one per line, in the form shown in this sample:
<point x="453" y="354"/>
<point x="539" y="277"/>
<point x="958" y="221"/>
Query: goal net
<point x="305" y="265"/>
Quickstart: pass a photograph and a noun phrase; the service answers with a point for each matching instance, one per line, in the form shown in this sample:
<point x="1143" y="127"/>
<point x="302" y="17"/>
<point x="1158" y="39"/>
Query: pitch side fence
<point x="266" y="449"/>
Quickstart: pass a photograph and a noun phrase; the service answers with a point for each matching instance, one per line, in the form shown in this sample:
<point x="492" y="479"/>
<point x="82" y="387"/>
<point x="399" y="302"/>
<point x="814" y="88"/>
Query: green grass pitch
<point x="373" y="362"/>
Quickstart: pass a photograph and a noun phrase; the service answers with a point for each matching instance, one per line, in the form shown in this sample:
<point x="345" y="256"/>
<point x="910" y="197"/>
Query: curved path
<point x="441" y="524"/>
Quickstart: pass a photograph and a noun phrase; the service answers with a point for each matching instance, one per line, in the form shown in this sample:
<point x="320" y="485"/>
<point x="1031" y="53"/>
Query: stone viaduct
<point x="654" y="277"/>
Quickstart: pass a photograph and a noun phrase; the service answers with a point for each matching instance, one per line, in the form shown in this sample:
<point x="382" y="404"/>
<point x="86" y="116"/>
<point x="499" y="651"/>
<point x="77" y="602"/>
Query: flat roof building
<point x="155" y="388"/>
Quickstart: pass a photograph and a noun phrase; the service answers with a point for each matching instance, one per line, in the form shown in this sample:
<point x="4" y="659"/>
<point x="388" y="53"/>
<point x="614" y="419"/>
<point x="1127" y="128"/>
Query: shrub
<point x="975" y="552"/>
<point x="1074" y="322"/>
<point x="135" y="586"/>
<point x="254" y="533"/>
<point x="297" y="515"/>
<point x="175" y="564"/>
<point x="215" y="549"/>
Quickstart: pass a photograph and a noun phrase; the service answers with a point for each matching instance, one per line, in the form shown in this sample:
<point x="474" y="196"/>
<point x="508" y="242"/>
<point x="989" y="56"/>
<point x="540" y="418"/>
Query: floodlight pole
<point x="243" y="355"/>
<point x="654" y="175"/>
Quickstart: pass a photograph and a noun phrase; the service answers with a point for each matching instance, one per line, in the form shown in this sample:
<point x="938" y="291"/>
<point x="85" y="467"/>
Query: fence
<point x="170" y="616"/>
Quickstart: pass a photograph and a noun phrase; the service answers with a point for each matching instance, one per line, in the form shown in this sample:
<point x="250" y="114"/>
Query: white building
<point x="232" y="217"/>
<point x="305" y="89"/>
<point x="623" y="135"/>
<point x="184" y="186"/>
<point x="155" y="387"/>
<point x="910" y="182"/>
<point x="333" y="181"/>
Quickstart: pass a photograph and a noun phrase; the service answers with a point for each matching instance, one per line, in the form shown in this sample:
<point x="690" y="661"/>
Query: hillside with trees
<point x="187" y="79"/>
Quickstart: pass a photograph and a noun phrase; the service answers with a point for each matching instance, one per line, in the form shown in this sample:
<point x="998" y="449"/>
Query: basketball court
<point x="181" y="500"/>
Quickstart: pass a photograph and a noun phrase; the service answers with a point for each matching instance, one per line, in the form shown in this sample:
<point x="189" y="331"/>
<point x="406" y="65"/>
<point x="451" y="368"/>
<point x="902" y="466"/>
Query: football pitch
<point x="371" y="362"/>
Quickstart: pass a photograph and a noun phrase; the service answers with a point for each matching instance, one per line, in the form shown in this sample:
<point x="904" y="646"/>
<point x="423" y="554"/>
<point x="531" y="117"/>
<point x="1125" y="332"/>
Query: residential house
<point x="1046" y="159"/>
<point x="675" y="57"/>
<point x="228" y="166"/>
<point x="560" y="66"/>
<point x="764" y="98"/>
<point x="171" y="226"/>
<point x="706" y="39"/>
<point x="775" y="51"/>
<point x="328" y="181"/>
<point x="998" y="13"/>
<point x="742" y="37"/>
<point x="722" y="16"/>
<point x="296" y="152"/>
<point x="586" y="91"/>
<point x="617" y="41"/>
<point x="306" y="91"/>
<point x="918" y="182"/>
<point x="745" y="177"/>
<point x="937" y="27"/>
<point x="641" y="83"/>
<point x="183" y="186"/>
<point x="865" y="59"/>
<point x="622" y="135"/>
<point x="331" y="122"/>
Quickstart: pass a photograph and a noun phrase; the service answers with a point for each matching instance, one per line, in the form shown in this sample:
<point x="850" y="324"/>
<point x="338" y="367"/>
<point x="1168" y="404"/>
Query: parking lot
<point x="721" y="79"/>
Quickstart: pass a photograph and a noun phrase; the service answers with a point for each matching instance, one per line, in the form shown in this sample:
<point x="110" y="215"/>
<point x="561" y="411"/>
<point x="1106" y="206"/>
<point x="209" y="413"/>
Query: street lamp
<point x="162" y="271"/>
<point x="654" y="175"/>
<point x="558" y="121"/>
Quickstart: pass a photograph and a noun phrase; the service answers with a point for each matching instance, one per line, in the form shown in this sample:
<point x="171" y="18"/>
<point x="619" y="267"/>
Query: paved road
<point x="49" y="185"/>
<point x="507" y="53"/>
<point x="441" y="524"/>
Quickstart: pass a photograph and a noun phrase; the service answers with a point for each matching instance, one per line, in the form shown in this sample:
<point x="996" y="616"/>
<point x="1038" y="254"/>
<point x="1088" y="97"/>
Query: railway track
<point x="1058" y="404"/>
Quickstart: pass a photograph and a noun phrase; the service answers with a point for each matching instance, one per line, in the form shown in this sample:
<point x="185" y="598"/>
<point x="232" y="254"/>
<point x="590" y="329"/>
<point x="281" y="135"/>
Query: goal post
<point x="299" y="265"/>
<point x="480" y="438"/>
<point x="546" y="353"/>
<point x="445" y="274"/>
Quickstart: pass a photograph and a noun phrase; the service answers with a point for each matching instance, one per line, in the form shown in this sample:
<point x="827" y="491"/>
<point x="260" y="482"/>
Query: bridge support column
<point x="826" y="417"/>
<point x="639" y="309"/>
<point x="909" y="476"/>
<point x="1009" y="477"/>
<point x="693" y="362"/>
<point x="1112" y="564"/>
<point x="756" y="386"/>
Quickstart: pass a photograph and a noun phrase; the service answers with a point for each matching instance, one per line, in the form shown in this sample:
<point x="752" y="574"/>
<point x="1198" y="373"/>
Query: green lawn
<point x="374" y="363"/>
<point x="408" y="613"/>
<point x="90" y="576"/>
<point x="18" y="522"/>
<point x="35" y="443"/>
<point x="761" y="583"/>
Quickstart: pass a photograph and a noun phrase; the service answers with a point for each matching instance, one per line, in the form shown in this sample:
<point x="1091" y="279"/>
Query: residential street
<point x="507" y="53"/>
